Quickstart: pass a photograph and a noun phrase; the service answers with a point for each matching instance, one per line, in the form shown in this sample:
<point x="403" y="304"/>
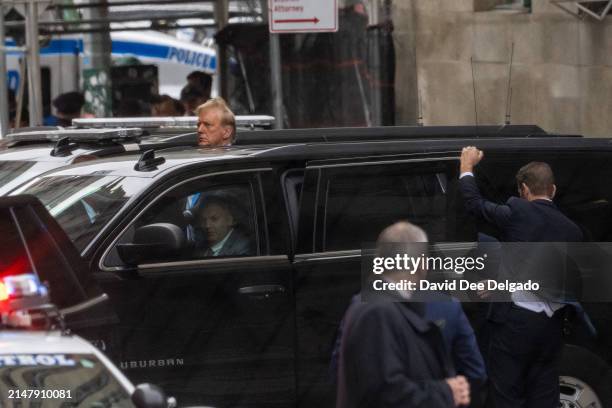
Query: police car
<point x="41" y="362"/>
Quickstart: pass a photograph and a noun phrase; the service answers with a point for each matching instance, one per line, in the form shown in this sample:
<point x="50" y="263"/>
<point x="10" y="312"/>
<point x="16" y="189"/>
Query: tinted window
<point x="82" y="205"/>
<point x="13" y="256"/>
<point x="215" y="220"/>
<point x="10" y="170"/>
<point x="361" y="203"/>
<point x="582" y="180"/>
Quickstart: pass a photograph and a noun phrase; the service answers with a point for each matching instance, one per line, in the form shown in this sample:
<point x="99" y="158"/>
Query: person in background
<point x="132" y="108"/>
<point x="67" y="106"/>
<point x="201" y="80"/>
<point x="165" y="105"/>
<point x="192" y="97"/>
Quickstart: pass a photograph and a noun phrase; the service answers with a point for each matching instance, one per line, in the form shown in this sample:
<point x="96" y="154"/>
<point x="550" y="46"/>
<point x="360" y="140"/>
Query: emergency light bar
<point x="262" y="121"/>
<point x="77" y="135"/>
<point x="19" y="286"/>
<point x="19" y="295"/>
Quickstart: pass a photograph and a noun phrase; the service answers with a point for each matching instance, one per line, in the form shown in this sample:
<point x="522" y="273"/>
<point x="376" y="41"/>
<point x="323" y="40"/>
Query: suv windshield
<point x="59" y="380"/>
<point x="82" y="204"/>
<point x="12" y="169"/>
<point x="15" y="173"/>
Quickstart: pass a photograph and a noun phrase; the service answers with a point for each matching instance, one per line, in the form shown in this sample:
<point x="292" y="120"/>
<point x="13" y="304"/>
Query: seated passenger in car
<point x="218" y="233"/>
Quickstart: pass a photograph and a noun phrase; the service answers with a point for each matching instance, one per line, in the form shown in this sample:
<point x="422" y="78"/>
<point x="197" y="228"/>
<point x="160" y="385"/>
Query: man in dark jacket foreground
<point x="390" y="355"/>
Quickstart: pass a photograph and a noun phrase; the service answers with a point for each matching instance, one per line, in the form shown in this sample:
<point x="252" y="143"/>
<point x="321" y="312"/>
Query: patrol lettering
<point x="14" y="360"/>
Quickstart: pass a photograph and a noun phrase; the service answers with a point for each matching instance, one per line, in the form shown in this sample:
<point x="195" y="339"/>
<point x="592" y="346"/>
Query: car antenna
<point x="509" y="92"/>
<point x="62" y="147"/>
<point x="420" y="103"/>
<point x="148" y="161"/>
<point x="474" y="89"/>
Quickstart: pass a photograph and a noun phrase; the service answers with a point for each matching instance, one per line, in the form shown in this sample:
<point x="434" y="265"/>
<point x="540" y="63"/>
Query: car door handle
<point x="262" y="291"/>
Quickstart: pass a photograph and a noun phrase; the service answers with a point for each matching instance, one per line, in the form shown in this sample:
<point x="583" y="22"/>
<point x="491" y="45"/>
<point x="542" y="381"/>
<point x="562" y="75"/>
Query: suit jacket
<point x="457" y="332"/>
<point x="458" y="335"/>
<point x="392" y="357"/>
<point x="521" y="220"/>
<point x="236" y="245"/>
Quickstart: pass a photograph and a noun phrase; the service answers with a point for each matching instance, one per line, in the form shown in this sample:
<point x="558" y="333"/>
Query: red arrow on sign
<point x="313" y="20"/>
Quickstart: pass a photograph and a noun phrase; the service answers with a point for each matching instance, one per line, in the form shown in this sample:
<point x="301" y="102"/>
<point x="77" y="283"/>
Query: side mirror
<point x="151" y="396"/>
<point x="152" y="243"/>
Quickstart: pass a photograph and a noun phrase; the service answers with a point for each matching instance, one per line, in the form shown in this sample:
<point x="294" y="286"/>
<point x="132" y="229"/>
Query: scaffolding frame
<point x="219" y="14"/>
<point x="580" y="5"/>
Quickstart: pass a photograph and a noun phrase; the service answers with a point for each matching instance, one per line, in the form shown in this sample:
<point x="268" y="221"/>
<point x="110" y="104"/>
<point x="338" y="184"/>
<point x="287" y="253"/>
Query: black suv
<point x="256" y="327"/>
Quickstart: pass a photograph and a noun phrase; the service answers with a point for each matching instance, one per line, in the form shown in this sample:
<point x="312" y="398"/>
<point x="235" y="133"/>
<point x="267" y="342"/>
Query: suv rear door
<point x="344" y="205"/>
<point x="33" y="242"/>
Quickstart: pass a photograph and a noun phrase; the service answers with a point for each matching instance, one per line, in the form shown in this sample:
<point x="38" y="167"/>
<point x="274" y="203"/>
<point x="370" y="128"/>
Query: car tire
<point x="584" y="379"/>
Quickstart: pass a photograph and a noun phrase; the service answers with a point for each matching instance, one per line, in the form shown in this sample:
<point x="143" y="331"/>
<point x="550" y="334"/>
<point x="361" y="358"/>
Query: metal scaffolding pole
<point x="375" y="21"/>
<point x="276" y="79"/>
<point x="33" y="60"/>
<point x="4" y="117"/>
<point x="221" y="18"/>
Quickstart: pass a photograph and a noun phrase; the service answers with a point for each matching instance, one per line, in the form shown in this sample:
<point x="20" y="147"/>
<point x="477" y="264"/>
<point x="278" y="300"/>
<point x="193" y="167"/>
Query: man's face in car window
<point x="216" y="221"/>
<point x="211" y="131"/>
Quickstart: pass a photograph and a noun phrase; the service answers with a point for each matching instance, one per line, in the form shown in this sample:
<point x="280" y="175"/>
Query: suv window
<point x="10" y="170"/>
<point x="82" y="205"/>
<point x="216" y="220"/>
<point x="361" y="202"/>
<point x="584" y="198"/>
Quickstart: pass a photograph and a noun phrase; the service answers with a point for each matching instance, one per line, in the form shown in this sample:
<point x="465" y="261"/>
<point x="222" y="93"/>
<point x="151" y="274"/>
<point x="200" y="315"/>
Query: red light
<point x="4" y="295"/>
<point x="19" y="266"/>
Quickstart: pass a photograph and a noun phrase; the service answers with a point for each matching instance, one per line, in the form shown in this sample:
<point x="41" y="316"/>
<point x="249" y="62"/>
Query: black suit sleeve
<point x="375" y="355"/>
<point x="475" y="204"/>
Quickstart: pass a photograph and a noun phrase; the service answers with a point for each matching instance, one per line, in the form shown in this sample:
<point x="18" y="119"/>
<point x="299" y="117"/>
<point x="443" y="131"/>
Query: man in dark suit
<point x="390" y="355"/>
<point x="526" y="332"/>
<point x="217" y="224"/>
<point x="458" y="335"/>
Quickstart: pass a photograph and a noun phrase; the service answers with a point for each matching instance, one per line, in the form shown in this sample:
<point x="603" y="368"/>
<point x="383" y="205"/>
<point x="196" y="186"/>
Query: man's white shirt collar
<point x="219" y="245"/>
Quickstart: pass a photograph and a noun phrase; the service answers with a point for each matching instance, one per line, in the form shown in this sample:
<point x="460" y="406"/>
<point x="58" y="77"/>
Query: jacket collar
<point x="542" y="201"/>
<point x="414" y="313"/>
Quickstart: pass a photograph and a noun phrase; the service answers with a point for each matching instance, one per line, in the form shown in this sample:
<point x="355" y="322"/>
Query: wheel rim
<point x="575" y="393"/>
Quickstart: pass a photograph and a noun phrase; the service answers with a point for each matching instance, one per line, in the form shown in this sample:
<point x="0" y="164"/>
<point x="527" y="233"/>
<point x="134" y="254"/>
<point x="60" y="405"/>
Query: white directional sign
<point x="303" y="16"/>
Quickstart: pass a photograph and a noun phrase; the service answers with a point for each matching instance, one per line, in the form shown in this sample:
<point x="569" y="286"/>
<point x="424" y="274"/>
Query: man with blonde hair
<point x="216" y="123"/>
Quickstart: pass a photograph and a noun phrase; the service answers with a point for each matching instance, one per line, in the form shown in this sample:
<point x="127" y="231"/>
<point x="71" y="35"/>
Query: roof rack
<point x="243" y="121"/>
<point x="75" y="135"/>
<point x="387" y="133"/>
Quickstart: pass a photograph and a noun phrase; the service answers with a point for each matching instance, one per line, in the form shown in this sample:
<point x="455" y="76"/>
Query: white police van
<point x="63" y="59"/>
